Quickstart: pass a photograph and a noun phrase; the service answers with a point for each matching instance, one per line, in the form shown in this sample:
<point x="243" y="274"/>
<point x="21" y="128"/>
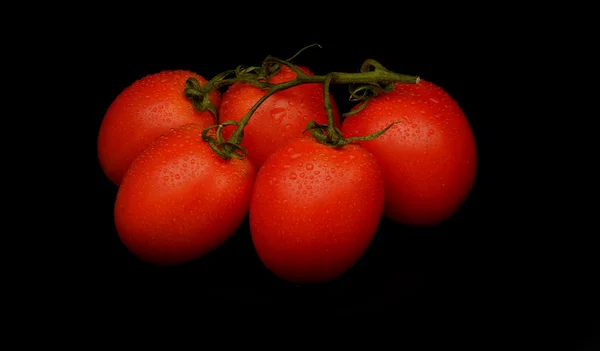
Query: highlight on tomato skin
<point x="428" y="161"/>
<point x="315" y="209"/>
<point x="142" y="112"/>
<point x="179" y="200"/>
<point x="279" y="118"/>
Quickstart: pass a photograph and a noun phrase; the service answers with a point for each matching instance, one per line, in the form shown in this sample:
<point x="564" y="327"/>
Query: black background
<point x="468" y="274"/>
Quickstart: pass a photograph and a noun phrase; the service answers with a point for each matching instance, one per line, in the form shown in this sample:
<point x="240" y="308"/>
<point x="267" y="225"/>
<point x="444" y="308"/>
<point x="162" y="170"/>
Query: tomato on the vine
<point x="179" y="200"/>
<point x="282" y="116"/>
<point x="315" y="209"/>
<point x="142" y="112"/>
<point x="428" y="161"/>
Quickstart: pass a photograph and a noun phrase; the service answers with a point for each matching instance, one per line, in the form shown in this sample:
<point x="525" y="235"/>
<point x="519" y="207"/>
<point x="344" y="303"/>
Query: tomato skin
<point x="142" y="112"/>
<point x="282" y="116"/>
<point x="315" y="210"/>
<point x="428" y="161"/>
<point x="179" y="200"/>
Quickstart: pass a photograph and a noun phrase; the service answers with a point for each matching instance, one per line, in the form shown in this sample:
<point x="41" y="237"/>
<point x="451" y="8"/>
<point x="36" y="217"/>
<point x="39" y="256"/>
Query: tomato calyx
<point x="365" y="91"/>
<point x="199" y="98"/>
<point x="373" y="79"/>
<point x="328" y="134"/>
<point x="321" y="133"/>
<point x="225" y="149"/>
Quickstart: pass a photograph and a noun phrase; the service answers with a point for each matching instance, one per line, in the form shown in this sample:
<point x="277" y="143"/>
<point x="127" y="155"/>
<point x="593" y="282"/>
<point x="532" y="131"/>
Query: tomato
<point x="428" y="161"/>
<point x="142" y="112"/>
<point x="282" y="116"/>
<point x="179" y="200"/>
<point x="315" y="209"/>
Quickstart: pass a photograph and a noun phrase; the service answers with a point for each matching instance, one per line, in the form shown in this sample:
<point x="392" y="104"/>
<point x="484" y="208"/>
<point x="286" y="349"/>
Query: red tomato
<point x="283" y="116"/>
<point x="142" y="112"/>
<point x="314" y="209"/>
<point x="179" y="200"/>
<point x="428" y="161"/>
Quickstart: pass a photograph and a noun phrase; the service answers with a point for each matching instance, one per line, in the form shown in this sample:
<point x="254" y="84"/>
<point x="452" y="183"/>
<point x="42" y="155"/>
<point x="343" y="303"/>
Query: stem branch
<point x="373" y="76"/>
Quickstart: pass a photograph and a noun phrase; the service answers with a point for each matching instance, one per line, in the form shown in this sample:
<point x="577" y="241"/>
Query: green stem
<point x="379" y="75"/>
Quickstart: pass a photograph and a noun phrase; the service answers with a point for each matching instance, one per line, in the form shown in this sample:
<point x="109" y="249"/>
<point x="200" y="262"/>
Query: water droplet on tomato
<point x="192" y="161"/>
<point x="288" y="127"/>
<point x="166" y="178"/>
<point x="309" y="166"/>
<point x="277" y="114"/>
<point x="328" y="178"/>
<point x="296" y="155"/>
<point x="293" y="175"/>
<point x="177" y="176"/>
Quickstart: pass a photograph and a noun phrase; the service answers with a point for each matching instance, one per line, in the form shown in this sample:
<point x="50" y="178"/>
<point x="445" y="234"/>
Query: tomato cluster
<point x="185" y="185"/>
